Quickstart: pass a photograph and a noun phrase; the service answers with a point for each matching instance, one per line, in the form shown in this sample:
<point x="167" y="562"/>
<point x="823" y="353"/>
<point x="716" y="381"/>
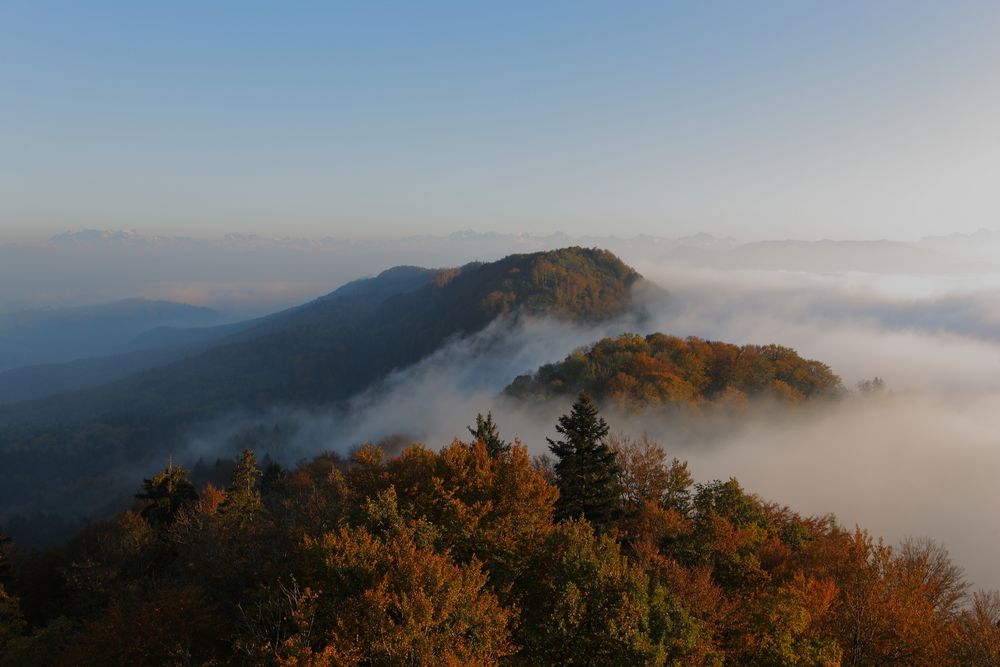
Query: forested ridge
<point x="319" y="354"/>
<point x="605" y="552"/>
<point x="658" y="369"/>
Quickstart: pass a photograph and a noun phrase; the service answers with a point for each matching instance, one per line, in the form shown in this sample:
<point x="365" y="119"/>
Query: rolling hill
<point x="660" y="370"/>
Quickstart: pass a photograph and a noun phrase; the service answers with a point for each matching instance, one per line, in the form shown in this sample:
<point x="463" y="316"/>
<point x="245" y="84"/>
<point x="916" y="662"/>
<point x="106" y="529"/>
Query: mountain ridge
<point x="320" y="353"/>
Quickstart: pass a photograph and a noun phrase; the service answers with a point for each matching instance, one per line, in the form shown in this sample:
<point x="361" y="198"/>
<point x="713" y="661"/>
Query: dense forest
<point x="658" y="370"/>
<point x="605" y="552"/>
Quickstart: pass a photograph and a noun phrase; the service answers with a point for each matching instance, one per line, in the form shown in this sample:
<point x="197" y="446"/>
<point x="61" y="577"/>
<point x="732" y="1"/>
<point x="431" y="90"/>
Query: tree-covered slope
<point x="465" y="557"/>
<point x="165" y="344"/>
<point x="333" y="347"/>
<point x="320" y="353"/>
<point x="659" y="370"/>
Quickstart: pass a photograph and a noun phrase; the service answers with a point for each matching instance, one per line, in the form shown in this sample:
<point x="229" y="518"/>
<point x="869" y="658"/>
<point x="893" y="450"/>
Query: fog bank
<point x="918" y="460"/>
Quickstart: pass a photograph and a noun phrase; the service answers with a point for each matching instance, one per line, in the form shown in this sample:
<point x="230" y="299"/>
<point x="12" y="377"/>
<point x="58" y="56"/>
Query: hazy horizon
<point x="37" y="237"/>
<point x="777" y="120"/>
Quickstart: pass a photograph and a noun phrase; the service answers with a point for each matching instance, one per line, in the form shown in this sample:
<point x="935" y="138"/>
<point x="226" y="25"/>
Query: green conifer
<point x="167" y="492"/>
<point x="486" y="432"/>
<point x="243" y="497"/>
<point x="586" y="468"/>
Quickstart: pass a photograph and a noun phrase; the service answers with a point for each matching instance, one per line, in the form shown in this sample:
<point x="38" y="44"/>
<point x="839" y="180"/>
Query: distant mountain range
<point x="930" y="253"/>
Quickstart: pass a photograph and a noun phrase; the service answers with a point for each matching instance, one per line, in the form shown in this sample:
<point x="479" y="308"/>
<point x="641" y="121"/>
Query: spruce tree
<point x="243" y="499"/>
<point x="168" y="491"/>
<point x="586" y="468"/>
<point x="486" y="431"/>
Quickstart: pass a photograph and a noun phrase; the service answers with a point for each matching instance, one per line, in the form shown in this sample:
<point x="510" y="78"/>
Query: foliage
<point x="167" y="492"/>
<point x="640" y="372"/>
<point x="459" y="556"/>
<point x="392" y="600"/>
<point x="645" y="475"/>
<point x="591" y="605"/>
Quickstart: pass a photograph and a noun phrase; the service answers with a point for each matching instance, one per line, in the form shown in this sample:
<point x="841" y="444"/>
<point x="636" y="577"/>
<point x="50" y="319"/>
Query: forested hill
<point x="162" y="345"/>
<point x="335" y="346"/>
<point x="319" y="353"/>
<point x="657" y="370"/>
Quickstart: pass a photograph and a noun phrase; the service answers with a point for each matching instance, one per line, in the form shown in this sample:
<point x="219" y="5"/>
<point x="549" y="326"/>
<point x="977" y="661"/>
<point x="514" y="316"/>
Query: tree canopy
<point x="464" y="556"/>
<point x="658" y="370"/>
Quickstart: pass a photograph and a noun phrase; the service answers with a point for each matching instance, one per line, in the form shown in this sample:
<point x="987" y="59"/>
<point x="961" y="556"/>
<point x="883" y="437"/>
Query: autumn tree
<point x="494" y="509"/>
<point x="645" y="475"/>
<point x="784" y="626"/>
<point x="730" y="528"/>
<point x="977" y="641"/>
<point x="590" y="605"/>
<point x="893" y="607"/>
<point x="586" y="468"/>
<point x="927" y="564"/>
<point x="392" y="600"/>
<point x="166" y="493"/>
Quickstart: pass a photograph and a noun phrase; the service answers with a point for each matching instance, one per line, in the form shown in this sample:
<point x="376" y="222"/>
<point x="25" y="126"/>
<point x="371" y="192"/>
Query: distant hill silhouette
<point x="63" y="334"/>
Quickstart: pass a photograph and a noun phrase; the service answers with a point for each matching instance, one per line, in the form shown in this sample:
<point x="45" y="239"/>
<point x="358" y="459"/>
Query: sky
<point x="385" y="119"/>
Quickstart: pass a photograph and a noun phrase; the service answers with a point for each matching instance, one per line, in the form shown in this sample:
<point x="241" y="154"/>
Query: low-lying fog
<point x="920" y="459"/>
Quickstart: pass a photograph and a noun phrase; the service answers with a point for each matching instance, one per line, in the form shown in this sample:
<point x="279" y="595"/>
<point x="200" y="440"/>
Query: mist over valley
<point x="499" y="334"/>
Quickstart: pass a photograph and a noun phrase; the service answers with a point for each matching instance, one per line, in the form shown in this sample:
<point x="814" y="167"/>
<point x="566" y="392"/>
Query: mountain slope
<point x="322" y="352"/>
<point x="166" y="344"/>
<point x="331" y="348"/>
<point x="657" y="370"/>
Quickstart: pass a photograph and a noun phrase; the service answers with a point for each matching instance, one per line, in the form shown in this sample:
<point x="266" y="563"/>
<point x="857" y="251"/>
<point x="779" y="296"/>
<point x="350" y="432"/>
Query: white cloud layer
<point x="919" y="460"/>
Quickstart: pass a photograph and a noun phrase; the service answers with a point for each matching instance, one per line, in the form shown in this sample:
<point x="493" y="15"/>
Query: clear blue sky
<point x="382" y="119"/>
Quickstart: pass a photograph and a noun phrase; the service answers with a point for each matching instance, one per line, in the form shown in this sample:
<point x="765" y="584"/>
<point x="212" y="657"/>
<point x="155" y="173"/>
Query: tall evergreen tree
<point x="167" y="492"/>
<point x="243" y="498"/>
<point x="586" y="468"/>
<point x="486" y="431"/>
